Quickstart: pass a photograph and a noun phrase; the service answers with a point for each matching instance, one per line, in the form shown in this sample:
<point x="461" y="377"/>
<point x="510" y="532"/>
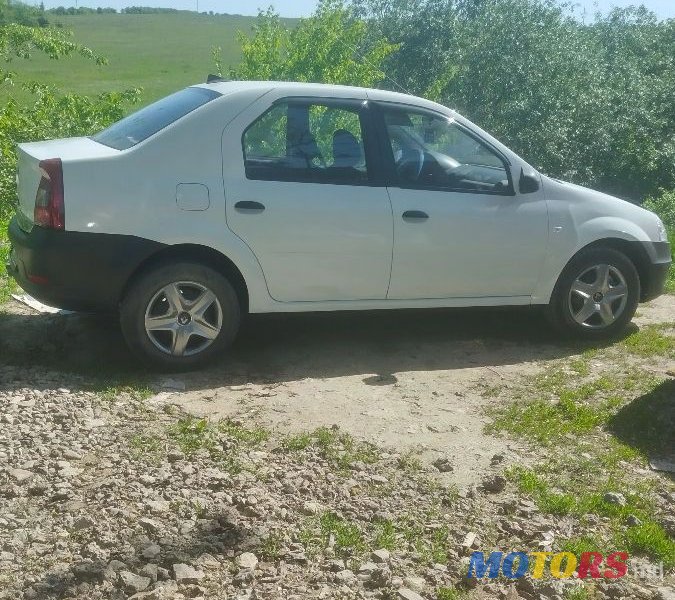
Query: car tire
<point x="596" y="295"/>
<point x="179" y="315"/>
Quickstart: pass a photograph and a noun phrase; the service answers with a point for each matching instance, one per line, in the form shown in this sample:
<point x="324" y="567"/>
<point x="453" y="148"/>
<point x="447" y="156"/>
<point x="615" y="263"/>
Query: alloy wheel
<point x="598" y="296"/>
<point x="183" y="318"/>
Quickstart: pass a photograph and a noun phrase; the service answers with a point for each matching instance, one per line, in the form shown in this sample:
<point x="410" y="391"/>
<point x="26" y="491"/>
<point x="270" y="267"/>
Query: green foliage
<point x="49" y="114"/>
<point x="652" y="540"/>
<point x="328" y="47"/>
<point x="591" y="103"/>
<point x="663" y="205"/>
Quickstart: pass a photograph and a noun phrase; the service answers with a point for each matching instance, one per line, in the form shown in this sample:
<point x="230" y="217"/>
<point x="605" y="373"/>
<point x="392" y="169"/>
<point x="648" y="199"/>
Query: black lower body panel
<point x="75" y="270"/>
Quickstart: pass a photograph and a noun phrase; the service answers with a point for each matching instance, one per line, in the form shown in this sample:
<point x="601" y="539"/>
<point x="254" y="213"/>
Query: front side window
<point x="142" y="124"/>
<point x="308" y="142"/>
<point x="432" y="151"/>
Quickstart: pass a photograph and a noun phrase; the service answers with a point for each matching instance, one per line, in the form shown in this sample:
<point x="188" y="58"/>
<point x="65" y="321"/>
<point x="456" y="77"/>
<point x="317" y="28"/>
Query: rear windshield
<point x="153" y="118"/>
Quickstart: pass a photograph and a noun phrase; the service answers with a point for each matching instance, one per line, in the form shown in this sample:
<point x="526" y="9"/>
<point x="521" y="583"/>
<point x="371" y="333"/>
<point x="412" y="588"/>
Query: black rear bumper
<point x="75" y="270"/>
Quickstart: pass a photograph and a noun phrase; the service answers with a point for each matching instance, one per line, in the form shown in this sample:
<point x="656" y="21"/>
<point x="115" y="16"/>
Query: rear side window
<point x="153" y="118"/>
<point x="309" y="142"/>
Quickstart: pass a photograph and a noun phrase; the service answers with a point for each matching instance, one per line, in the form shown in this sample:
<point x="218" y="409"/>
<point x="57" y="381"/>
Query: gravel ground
<point x="116" y="493"/>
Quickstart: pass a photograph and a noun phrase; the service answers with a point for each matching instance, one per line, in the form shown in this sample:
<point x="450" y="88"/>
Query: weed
<point x="446" y="593"/>
<point x="651" y="539"/>
<point x="295" y="443"/>
<point x="650" y="341"/>
<point x="385" y="535"/>
<point x="271" y="546"/>
<point x="192" y="434"/>
<point x="349" y="540"/>
<point x="249" y="437"/>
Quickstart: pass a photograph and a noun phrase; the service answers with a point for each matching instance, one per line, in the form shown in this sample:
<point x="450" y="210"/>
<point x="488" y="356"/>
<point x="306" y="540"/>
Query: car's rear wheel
<point x="596" y="295"/>
<point x="180" y="315"/>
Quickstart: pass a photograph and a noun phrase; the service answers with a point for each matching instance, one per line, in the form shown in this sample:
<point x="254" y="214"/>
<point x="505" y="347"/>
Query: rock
<point x="83" y="523"/>
<point x="149" y="525"/>
<point x="20" y="475"/>
<point x="469" y="539"/>
<point x="133" y="583"/>
<point x="381" y="479"/>
<point x="151" y="595"/>
<point x="495" y="484"/>
<point x="151" y="551"/>
<point x="311" y="508"/>
<point x="632" y="520"/>
<point x="345" y="576"/>
<point x="380" y="556"/>
<point x="247" y="560"/>
<point x="443" y="465"/>
<point x="183" y="573"/>
<point x="417" y="584"/>
<point x="407" y="594"/>
<point x="150" y="571"/>
<point x="664" y="593"/>
<point x="615" y="498"/>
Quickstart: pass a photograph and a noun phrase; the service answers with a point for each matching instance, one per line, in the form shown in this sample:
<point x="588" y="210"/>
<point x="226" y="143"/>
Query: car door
<point x="301" y="191"/>
<point x="461" y="230"/>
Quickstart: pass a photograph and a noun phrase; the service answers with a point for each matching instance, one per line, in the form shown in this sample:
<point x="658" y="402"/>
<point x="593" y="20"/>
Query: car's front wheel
<point x="596" y="295"/>
<point x="180" y="315"/>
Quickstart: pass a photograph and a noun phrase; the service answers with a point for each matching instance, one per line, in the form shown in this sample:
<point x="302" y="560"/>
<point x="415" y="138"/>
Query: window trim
<point x="391" y="177"/>
<point x="374" y="159"/>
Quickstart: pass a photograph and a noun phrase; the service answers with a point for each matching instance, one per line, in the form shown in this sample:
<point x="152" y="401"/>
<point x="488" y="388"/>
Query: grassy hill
<point x="160" y="52"/>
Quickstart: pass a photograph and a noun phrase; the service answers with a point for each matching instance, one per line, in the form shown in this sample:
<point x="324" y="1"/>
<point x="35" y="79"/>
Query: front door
<point x="302" y="196"/>
<point x="460" y="228"/>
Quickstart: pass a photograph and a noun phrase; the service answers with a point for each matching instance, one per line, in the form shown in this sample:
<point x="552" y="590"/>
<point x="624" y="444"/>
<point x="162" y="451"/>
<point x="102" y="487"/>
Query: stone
<point x="150" y="571"/>
<point x="311" y="508"/>
<point x="417" y="584"/>
<point x="615" y="498"/>
<point x="183" y="573"/>
<point x="83" y="523"/>
<point x="149" y="525"/>
<point x="133" y="583"/>
<point x="20" y="475"/>
<point x="345" y="576"/>
<point x="407" y="594"/>
<point x="247" y="560"/>
<point x="380" y="556"/>
<point x="443" y="465"/>
<point x="664" y="593"/>
<point x="151" y="551"/>
<point x="494" y="484"/>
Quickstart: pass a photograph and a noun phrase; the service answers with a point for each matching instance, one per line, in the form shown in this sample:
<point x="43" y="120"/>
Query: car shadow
<point x="648" y="425"/>
<point x="284" y="347"/>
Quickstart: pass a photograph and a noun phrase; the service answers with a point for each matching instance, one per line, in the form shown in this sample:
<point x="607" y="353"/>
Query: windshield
<point x="153" y="118"/>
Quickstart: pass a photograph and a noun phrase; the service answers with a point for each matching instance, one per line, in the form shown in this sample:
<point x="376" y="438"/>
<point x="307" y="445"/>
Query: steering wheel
<point x="409" y="167"/>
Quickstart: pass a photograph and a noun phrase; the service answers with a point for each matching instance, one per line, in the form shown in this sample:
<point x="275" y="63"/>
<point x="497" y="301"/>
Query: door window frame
<point x="389" y="163"/>
<point x="375" y="162"/>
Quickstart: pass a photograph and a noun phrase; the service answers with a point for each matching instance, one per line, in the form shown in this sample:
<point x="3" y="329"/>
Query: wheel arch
<point x="633" y="250"/>
<point x="198" y="253"/>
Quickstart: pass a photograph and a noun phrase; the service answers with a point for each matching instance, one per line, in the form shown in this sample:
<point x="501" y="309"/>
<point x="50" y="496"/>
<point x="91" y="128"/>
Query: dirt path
<point x="407" y="380"/>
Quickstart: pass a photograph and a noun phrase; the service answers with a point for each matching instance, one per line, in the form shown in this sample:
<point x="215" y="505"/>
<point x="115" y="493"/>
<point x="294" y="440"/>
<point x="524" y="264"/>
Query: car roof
<point x="322" y="89"/>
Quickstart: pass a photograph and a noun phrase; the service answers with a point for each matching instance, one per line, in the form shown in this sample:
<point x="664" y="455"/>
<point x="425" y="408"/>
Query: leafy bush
<point x="664" y="206"/>
<point x="50" y="115"/>
<point x="590" y="103"/>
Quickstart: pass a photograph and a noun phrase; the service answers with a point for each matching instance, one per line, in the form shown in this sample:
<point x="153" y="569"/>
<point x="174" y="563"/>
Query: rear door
<point x="302" y="191"/>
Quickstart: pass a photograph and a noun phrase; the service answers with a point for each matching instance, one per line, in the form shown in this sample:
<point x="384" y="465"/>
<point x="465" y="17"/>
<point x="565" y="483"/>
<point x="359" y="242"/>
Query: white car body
<point x="322" y="247"/>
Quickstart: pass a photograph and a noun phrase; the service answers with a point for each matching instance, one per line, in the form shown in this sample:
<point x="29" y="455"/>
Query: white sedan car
<point x="250" y="197"/>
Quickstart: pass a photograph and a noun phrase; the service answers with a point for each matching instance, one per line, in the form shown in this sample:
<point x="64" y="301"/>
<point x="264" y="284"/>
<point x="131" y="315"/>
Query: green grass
<point x="650" y="539"/>
<point x="574" y="409"/>
<point x="670" y="282"/>
<point x="338" y="448"/>
<point x="7" y="284"/>
<point x="651" y="341"/>
<point x="446" y="593"/>
<point x="161" y="53"/>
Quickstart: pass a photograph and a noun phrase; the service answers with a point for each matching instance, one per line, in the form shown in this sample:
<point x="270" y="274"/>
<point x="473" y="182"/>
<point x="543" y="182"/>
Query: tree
<point x="328" y="47"/>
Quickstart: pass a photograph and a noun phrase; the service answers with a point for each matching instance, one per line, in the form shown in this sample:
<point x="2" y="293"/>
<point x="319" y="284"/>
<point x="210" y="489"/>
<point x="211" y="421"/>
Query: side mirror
<point x="529" y="181"/>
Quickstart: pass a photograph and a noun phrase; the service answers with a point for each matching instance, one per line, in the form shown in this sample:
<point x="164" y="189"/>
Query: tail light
<point x="49" y="207"/>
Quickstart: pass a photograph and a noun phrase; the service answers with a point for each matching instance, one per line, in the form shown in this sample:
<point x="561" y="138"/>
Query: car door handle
<point x="415" y="214"/>
<point x="249" y="205"/>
